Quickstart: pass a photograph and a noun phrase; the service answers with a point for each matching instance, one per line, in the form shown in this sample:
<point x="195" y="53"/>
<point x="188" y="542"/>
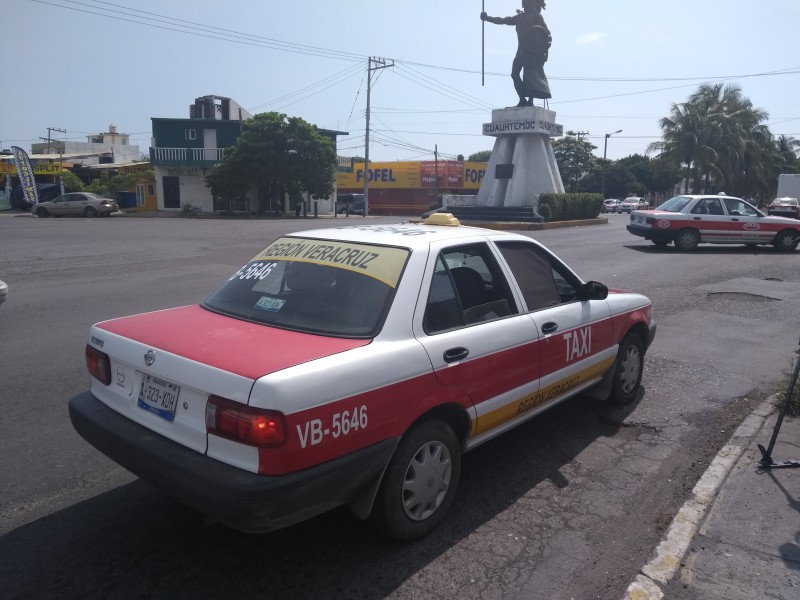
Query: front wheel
<point x="42" y="213"/>
<point x="687" y="239"/>
<point x="90" y="212"/>
<point x="661" y="243"/>
<point x="786" y="241"/>
<point x="420" y="482"/>
<point x="628" y="373"/>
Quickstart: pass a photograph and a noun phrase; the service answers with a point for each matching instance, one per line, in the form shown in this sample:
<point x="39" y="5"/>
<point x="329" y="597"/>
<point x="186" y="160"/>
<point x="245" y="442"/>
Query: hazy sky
<point x="80" y="65"/>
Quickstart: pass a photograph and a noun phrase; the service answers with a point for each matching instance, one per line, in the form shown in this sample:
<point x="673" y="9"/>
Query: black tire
<point x="661" y="243"/>
<point x="90" y="212"/>
<point x="687" y="239"/>
<point x="42" y="212"/>
<point x="420" y="482"/>
<point x="786" y="241"/>
<point x="628" y="372"/>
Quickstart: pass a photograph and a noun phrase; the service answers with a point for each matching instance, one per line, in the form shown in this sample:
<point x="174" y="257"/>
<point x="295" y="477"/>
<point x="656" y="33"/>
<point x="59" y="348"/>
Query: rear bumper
<point x="649" y="233"/>
<point x="243" y="500"/>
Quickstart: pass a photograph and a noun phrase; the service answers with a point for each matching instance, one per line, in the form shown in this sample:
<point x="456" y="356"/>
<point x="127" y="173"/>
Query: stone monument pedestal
<point x="522" y="164"/>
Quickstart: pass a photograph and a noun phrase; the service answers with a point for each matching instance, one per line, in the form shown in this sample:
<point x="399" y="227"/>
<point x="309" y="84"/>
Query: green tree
<point x="482" y="156"/>
<point x="575" y="159"/>
<point x="72" y="183"/>
<point x="787" y="150"/>
<point x="718" y="139"/>
<point x="278" y="154"/>
<point x="108" y="184"/>
<point x="620" y="181"/>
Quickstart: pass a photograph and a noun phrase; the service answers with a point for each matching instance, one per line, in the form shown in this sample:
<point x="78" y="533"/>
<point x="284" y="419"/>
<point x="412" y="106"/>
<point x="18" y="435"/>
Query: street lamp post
<point x="605" y="150"/>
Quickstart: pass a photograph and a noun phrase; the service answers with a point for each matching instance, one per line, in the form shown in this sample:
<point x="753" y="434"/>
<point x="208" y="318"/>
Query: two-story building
<point x="183" y="151"/>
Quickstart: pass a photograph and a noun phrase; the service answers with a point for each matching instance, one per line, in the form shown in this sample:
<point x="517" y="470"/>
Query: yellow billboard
<point x="41" y="169"/>
<point x="452" y="174"/>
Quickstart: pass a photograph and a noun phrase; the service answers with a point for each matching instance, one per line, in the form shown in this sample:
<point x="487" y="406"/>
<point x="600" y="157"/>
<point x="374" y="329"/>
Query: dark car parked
<point x="352" y="204"/>
<point x="47" y="192"/>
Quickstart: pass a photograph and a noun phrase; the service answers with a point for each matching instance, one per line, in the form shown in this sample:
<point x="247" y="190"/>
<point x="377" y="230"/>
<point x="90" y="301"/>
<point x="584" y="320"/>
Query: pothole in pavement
<point x="740" y="296"/>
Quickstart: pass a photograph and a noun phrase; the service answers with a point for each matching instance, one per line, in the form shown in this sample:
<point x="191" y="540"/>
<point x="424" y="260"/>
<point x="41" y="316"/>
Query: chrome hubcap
<point x="427" y="480"/>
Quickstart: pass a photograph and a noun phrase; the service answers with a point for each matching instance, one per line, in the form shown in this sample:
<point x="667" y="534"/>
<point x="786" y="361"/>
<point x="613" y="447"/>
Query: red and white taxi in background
<point x="785" y="207"/>
<point x="690" y="220"/>
<point x="354" y="366"/>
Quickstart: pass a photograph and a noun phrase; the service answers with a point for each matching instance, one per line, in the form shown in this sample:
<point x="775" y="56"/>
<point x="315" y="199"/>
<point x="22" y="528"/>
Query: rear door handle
<point x="697" y="218"/>
<point x="455" y="354"/>
<point x="549" y="327"/>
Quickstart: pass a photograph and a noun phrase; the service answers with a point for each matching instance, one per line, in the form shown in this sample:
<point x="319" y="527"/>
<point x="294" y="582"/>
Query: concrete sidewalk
<point x="738" y="537"/>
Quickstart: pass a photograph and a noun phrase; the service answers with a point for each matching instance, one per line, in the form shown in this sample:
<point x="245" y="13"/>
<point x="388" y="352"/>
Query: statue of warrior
<point x="534" y="43"/>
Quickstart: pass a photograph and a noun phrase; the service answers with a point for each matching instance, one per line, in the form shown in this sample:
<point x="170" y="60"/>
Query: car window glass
<point x="707" y="206"/>
<point x="739" y="208"/>
<point x="317" y="286"/>
<point x="700" y="208"/>
<point x="676" y="204"/>
<point x="541" y="282"/>
<point x="467" y="287"/>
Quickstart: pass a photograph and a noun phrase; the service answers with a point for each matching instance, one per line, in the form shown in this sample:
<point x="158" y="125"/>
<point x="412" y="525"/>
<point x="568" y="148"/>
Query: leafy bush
<point x="569" y="207"/>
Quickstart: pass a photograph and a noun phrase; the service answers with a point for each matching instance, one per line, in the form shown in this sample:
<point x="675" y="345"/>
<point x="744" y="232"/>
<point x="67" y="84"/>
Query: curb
<point x="670" y="552"/>
<point x="523" y="226"/>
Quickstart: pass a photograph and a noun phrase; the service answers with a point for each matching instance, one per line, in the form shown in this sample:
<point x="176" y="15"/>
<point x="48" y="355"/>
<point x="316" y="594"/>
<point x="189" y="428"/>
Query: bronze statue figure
<point x="534" y="42"/>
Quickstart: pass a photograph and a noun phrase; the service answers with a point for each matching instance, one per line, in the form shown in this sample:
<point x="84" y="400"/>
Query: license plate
<point x="159" y="397"/>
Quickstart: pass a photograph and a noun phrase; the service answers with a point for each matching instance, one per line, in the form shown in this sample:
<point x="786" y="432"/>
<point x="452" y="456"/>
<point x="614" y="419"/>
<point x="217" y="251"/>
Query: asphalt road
<point x="569" y="505"/>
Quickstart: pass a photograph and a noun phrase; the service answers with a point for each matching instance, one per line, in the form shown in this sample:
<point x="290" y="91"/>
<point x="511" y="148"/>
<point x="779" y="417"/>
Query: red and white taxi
<point x="354" y="366"/>
<point x="690" y="220"/>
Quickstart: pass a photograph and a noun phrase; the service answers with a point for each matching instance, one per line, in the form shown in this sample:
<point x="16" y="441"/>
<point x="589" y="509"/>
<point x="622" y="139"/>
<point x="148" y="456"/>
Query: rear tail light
<point x="99" y="365"/>
<point x="252" y="426"/>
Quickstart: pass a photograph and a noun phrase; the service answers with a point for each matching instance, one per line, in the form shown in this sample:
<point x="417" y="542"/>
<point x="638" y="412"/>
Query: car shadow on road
<point x="135" y="542"/>
<point x="721" y="249"/>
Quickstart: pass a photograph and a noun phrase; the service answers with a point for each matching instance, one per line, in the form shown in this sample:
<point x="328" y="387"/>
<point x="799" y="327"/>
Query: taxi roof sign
<point x="446" y="219"/>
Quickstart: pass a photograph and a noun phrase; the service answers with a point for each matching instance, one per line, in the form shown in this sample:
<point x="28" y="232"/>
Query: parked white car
<point x="354" y="366"/>
<point x="631" y="203"/>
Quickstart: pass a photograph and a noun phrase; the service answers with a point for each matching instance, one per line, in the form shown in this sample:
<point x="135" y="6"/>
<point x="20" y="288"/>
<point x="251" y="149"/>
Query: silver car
<point x="77" y="203"/>
<point x="3" y="291"/>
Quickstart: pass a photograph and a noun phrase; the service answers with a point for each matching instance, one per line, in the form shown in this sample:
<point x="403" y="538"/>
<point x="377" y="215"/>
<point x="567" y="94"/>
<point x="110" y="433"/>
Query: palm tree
<point x="683" y="140"/>
<point x="788" y="153"/>
<point x="718" y="136"/>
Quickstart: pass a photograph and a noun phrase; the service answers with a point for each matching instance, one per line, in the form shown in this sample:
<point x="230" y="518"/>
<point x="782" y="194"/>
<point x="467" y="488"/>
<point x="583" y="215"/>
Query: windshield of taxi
<point x="676" y="204"/>
<point x="317" y="286"/>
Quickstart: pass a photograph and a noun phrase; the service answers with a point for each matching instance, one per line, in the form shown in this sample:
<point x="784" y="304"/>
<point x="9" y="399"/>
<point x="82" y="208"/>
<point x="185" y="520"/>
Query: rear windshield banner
<point x="383" y="263"/>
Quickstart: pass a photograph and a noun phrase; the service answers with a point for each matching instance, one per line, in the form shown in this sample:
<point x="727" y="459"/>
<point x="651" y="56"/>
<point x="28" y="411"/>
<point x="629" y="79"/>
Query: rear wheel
<point x="42" y="212"/>
<point x="786" y="241"/>
<point x="90" y="212"/>
<point x="420" y="481"/>
<point x="687" y="239"/>
<point x="628" y="373"/>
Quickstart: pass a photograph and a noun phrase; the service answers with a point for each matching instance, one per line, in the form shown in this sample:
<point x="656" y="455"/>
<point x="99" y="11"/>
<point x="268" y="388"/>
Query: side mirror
<point x="594" y="290"/>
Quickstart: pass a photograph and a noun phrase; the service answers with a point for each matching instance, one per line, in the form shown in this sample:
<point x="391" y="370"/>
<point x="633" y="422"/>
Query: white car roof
<point x="693" y="196"/>
<point x="415" y="236"/>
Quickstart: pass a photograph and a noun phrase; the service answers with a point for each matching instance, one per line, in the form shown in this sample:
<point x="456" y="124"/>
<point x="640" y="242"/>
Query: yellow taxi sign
<point x="446" y="219"/>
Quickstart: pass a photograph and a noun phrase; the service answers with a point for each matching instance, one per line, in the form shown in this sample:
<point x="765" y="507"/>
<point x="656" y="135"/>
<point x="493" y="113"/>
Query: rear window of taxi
<point x="316" y="286"/>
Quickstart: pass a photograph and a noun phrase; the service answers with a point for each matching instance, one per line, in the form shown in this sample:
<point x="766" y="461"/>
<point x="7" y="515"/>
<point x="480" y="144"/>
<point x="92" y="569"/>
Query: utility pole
<point x="380" y="63"/>
<point x="436" y="168"/>
<point x="48" y="139"/>
<point x="580" y="134"/>
<point x="605" y="148"/>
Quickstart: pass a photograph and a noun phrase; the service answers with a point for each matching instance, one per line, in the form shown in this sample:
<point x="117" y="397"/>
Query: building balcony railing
<point x="195" y="157"/>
